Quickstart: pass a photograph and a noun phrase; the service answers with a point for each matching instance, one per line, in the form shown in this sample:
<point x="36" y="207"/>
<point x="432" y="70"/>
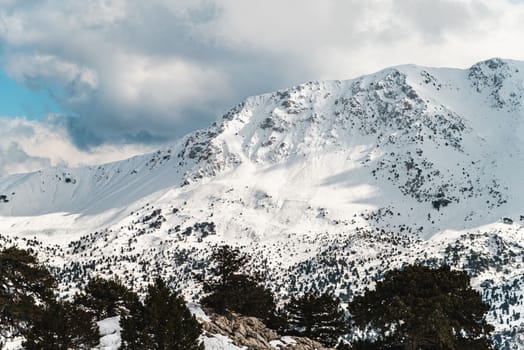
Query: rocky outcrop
<point x="251" y="333"/>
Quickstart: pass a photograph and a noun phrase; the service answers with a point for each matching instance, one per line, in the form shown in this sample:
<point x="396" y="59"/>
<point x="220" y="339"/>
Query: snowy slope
<point x="340" y="178"/>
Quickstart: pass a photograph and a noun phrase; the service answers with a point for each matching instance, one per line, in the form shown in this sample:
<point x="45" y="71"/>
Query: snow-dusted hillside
<point x="327" y="184"/>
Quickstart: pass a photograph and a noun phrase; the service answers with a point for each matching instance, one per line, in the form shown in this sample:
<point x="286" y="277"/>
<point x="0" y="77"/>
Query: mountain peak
<point x="502" y="80"/>
<point x="346" y="178"/>
<point x="495" y="63"/>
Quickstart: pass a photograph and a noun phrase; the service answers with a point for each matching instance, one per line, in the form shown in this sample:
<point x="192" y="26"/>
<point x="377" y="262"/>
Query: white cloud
<point x="162" y="85"/>
<point x="140" y="71"/>
<point x="27" y="145"/>
<point x="37" y="70"/>
<point x="339" y="39"/>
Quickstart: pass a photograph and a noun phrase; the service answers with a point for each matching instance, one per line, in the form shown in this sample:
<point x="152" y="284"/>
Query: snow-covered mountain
<point x="326" y="184"/>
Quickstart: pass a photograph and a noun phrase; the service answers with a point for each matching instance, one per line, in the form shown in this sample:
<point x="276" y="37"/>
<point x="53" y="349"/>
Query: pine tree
<point x="163" y="322"/>
<point x="106" y="298"/>
<point x="62" y="326"/>
<point x="133" y="333"/>
<point x="423" y="308"/>
<point x="228" y="289"/>
<point x="226" y="264"/>
<point x="24" y="284"/>
<point x="316" y="316"/>
<point x="369" y="345"/>
<point x="344" y="346"/>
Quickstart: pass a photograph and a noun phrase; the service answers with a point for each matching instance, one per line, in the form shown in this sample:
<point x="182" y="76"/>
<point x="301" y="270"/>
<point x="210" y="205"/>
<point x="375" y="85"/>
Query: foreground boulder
<point x="250" y="332"/>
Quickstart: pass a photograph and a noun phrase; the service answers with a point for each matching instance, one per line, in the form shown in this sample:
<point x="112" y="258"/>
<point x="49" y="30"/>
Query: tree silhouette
<point x="63" y="326"/>
<point x="316" y="316"/>
<point x="106" y="298"/>
<point x="418" y="307"/>
<point x="24" y="284"/>
<point x="229" y="289"/>
<point x="163" y="322"/>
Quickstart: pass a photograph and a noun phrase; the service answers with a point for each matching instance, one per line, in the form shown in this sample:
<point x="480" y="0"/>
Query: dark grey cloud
<point x="149" y="71"/>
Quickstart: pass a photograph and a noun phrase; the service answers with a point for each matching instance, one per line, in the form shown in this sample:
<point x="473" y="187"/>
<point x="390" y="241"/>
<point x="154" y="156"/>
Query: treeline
<point x="30" y="308"/>
<point x="415" y="308"/>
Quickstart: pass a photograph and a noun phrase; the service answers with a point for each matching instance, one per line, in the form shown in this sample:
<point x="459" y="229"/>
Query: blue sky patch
<point x="20" y="101"/>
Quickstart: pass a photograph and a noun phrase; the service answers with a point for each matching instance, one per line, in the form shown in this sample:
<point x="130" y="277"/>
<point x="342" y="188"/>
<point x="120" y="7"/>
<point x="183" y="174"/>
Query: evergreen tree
<point x="163" y="322"/>
<point x="133" y="327"/>
<point x="316" y="316"/>
<point x="228" y="289"/>
<point x="226" y="264"/>
<point x="423" y="308"/>
<point x="62" y="326"/>
<point x="24" y="284"/>
<point x="106" y="298"/>
<point x="344" y="346"/>
<point x="369" y="345"/>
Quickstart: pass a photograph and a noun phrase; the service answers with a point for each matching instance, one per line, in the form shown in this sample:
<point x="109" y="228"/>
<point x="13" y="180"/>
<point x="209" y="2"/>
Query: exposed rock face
<point x="250" y="332"/>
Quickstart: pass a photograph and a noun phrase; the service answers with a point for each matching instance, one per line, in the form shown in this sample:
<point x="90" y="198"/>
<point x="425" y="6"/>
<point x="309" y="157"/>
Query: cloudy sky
<point x="91" y="81"/>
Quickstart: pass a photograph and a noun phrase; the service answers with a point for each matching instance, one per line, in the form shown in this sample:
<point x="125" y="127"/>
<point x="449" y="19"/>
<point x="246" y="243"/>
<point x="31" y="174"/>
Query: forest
<point x="414" y="307"/>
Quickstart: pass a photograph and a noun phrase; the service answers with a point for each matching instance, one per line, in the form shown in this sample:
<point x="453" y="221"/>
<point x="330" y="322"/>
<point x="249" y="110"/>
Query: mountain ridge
<point x="348" y="178"/>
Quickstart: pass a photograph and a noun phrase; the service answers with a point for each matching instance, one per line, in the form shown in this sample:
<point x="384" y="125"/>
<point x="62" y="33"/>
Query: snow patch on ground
<point x="220" y="342"/>
<point x="197" y="311"/>
<point x="109" y="329"/>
